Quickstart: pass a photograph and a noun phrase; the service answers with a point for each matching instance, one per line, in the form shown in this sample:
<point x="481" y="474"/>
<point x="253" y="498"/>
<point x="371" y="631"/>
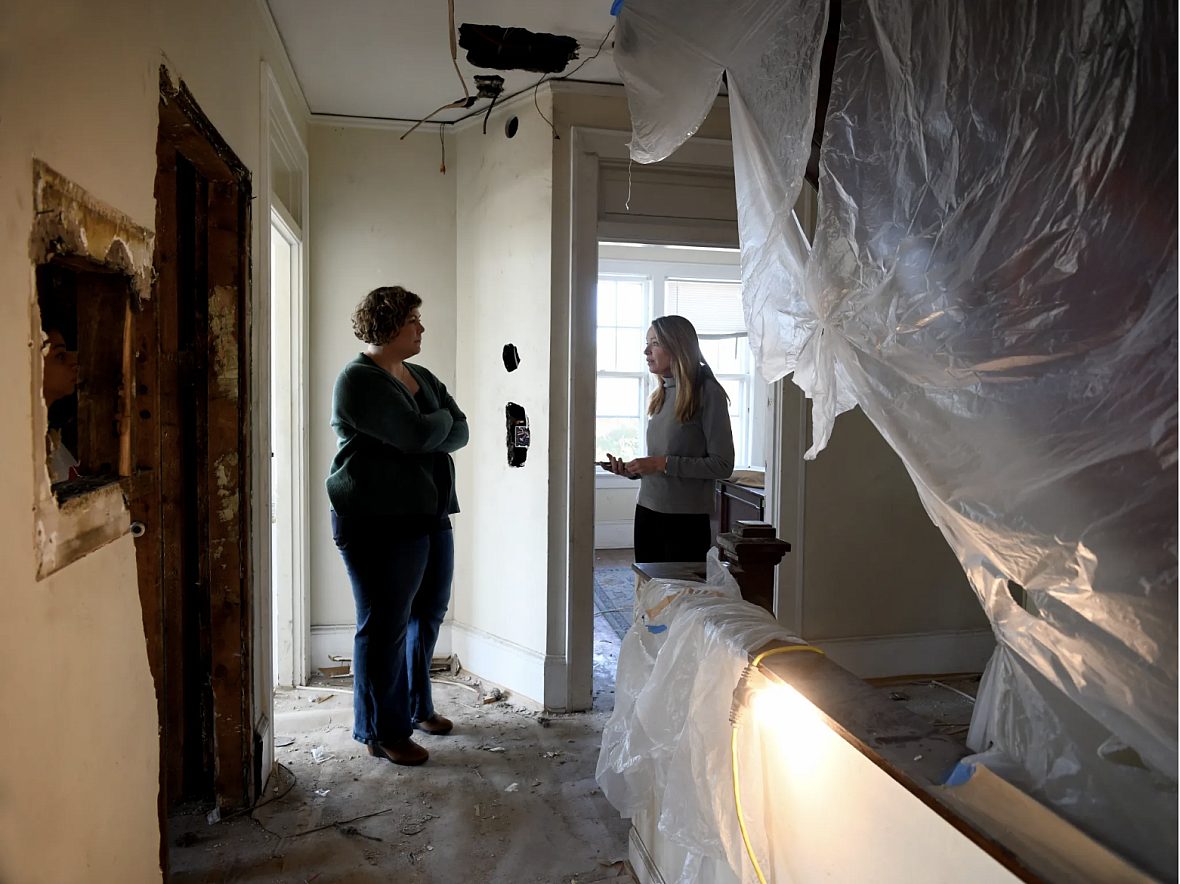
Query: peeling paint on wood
<point x="69" y="222"/>
<point x="223" y="339"/>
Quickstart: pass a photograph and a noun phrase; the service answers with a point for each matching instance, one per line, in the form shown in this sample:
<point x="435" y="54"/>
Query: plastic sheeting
<point x="993" y="281"/>
<point x="667" y="745"/>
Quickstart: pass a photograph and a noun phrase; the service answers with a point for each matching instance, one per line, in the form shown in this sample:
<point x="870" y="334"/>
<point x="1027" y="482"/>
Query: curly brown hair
<point x="382" y="312"/>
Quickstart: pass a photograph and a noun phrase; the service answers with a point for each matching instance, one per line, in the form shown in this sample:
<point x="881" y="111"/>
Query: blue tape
<point x="961" y="774"/>
<point x="616" y="6"/>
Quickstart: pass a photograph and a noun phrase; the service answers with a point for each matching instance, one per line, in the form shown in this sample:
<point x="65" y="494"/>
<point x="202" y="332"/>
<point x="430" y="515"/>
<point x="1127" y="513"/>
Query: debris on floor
<point x="334" y="811"/>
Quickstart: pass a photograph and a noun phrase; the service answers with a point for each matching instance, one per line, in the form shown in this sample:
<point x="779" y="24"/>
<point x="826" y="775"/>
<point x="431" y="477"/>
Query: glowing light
<point x="795" y="725"/>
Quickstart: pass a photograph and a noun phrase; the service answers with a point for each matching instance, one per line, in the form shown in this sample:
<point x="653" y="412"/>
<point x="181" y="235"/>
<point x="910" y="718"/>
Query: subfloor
<point x="508" y="798"/>
<point x="945" y="701"/>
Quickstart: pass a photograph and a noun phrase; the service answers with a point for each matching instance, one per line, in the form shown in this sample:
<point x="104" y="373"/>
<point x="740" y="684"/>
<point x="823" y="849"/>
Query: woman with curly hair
<point x="392" y="489"/>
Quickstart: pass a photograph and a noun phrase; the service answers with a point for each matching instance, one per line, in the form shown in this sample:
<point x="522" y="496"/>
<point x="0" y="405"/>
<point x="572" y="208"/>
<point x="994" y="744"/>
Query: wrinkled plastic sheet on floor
<point x="667" y="744"/>
<point x="993" y="281"/>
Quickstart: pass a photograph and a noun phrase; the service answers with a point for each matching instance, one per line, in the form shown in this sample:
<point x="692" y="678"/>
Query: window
<point x="709" y="294"/>
<point x="714" y="307"/>
<point x="623" y="318"/>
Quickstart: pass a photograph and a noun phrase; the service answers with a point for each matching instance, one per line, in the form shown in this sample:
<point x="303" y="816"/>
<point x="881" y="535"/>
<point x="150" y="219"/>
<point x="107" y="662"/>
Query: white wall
<point x="80" y="91"/>
<point x="382" y="214"/>
<point x="504" y="206"/>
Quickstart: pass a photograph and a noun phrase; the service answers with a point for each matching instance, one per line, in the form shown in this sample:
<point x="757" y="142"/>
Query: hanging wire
<point x="585" y="61"/>
<point x="466" y="100"/>
<point x="442" y="167"/>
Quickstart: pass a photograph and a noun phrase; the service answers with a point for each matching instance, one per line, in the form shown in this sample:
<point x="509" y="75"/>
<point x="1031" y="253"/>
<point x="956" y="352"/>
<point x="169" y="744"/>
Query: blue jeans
<point x="401" y="583"/>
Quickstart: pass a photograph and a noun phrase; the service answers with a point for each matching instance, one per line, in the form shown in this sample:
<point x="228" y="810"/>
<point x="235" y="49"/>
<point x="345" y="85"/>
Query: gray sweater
<point x="699" y="453"/>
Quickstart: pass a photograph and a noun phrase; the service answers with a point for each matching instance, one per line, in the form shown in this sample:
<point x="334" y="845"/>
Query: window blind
<point x="714" y="307"/>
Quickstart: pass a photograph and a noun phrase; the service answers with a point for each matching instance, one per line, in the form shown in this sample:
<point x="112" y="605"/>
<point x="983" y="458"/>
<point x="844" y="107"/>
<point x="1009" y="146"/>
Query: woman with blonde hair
<point x="689" y="447"/>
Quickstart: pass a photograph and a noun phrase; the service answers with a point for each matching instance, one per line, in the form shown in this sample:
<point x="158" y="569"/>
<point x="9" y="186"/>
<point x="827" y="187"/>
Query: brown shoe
<point x="402" y="752"/>
<point x="436" y="725"/>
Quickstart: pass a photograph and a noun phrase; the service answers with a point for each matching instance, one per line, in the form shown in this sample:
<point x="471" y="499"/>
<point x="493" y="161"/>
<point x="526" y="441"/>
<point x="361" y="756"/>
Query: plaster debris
<point x="320" y="754"/>
<point x="515" y="787"/>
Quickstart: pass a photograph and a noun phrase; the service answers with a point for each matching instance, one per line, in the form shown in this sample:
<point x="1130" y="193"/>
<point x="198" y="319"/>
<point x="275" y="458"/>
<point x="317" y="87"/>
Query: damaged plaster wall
<point x="382" y="215"/>
<point x="75" y="640"/>
<point x="504" y="206"/>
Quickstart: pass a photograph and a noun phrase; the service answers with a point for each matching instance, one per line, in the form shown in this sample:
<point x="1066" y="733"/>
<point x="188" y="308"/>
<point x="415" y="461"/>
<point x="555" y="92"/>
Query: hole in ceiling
<point x="515" y="49"/>
<point x="511" y="126"/>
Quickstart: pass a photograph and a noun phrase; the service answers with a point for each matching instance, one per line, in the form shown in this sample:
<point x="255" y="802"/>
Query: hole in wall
<point x="511" y="357"/>
<point x="511" y="127"/>
<point x="518" y="434"/>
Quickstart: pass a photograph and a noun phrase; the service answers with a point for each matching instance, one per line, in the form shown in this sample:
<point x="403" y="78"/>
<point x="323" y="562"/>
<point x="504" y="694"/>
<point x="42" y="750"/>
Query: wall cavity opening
<point x="511" y="357"/>
<point x="511" y="127"/>
<point x="92" y="275"/>
<point x="518" y="434"/>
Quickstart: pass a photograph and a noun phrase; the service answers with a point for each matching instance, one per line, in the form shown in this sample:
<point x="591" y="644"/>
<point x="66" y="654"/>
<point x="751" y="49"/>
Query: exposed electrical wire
<point x="536" y="88"/>
<point x="585" y="61"/>
<point x="466" y="100"/>
<point x="455" y="47"/>
<point x="486" y="116"/>
<point x="592" y="57"/>
<point x="442" y="166"/>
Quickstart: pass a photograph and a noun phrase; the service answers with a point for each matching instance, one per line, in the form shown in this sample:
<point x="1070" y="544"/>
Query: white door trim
<point x="587" y="147"/>
<point x="277" y="131"/>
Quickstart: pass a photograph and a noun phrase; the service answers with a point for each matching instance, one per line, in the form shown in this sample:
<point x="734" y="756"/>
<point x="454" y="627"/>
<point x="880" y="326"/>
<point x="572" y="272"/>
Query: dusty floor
<point x="509" y="797"/>
<point x="946" y="702"/>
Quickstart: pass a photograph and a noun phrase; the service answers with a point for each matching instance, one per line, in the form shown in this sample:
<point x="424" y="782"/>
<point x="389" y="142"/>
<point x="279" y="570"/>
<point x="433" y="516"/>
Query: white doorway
<point x="282" y="342"/>
<point x="288" y="491"/>
<point x="688" y="200"/>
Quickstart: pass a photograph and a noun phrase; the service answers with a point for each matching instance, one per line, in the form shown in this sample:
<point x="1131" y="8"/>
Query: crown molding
<point x="268" y="22"/>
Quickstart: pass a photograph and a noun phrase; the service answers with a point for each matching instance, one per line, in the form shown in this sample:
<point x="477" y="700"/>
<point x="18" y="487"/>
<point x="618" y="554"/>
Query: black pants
<point x="671" y="537"/>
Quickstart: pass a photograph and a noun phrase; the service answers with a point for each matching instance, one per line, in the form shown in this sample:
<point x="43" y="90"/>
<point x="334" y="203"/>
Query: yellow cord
<point x="737" y="793"/>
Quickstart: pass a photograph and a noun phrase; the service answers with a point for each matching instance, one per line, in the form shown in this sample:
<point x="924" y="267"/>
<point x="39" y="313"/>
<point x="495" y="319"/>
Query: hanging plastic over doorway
<point x="993" y="281"/>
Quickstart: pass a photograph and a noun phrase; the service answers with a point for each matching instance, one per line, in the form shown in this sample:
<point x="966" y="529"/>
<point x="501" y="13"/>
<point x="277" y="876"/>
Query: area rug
<point x="614" y="597"/>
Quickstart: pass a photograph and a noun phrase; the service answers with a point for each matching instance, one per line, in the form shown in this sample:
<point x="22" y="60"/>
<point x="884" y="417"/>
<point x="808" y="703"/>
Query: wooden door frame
<point x="185" y="131"/>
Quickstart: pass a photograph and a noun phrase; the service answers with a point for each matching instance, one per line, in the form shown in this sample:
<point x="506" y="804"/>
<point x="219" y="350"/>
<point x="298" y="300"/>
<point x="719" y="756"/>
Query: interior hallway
<point x="508" y="798"/>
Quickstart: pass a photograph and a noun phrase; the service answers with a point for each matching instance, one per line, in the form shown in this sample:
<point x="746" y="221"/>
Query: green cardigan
<point x="388" y="446"/>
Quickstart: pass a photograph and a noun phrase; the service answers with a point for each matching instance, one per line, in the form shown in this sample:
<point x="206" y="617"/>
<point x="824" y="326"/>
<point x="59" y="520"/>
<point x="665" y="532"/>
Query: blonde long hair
<point x="692" y="373"/>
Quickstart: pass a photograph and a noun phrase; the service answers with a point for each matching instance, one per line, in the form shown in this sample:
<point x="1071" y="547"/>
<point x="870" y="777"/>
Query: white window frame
<point x="657" y="273"/>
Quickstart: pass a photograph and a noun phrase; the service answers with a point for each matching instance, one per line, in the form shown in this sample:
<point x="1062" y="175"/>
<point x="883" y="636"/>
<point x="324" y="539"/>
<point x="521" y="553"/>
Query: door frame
<point x="280" y="138"/>
<point x="224" y="508"/>
<point x="588" y="148"/>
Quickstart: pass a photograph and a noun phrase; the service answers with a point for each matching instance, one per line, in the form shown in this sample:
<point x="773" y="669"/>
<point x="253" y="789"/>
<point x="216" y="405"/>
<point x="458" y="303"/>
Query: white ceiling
<point x="392" y="58"/>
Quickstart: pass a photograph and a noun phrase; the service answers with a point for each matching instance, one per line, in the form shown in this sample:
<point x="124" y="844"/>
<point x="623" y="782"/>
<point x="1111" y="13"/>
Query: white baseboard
<point x="641" y="862"/>
<point x="931" y="653"/>
<point x="335" y="640"/>
<point x="614" y="535"/>
<point x="332" y="640"/>
<point x="530" y="674"/>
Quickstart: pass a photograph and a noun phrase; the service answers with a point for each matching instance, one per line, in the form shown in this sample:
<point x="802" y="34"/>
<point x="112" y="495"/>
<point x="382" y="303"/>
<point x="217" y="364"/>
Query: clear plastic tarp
<point x="667" y="744"/>
<point x="993" y="281"/>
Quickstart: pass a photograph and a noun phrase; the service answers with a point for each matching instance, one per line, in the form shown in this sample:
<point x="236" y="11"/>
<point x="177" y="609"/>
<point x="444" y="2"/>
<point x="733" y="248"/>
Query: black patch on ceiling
<point x="511" y="357"/>
<point x="515" y="49"/>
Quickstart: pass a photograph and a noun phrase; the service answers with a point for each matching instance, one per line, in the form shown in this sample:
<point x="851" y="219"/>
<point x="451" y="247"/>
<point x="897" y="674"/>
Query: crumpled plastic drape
<point x="667" y="744"/>
<point x="993" y="281"/>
